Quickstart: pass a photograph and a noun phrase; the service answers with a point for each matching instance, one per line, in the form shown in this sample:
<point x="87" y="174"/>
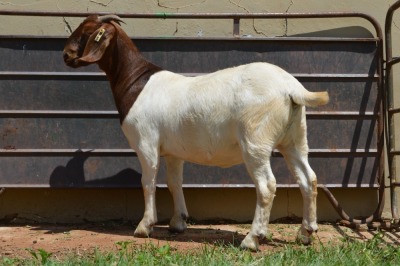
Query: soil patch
<point x="15" y="240"/>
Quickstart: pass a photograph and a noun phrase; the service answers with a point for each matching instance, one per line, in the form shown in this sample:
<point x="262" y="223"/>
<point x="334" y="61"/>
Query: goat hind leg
<point x="174" y="181"/>
<point x="307" y="180"/>
<point x="265" y="184"/>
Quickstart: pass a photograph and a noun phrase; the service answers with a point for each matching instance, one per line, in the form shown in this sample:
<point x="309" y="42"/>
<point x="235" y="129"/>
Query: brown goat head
<point x="88" y="43"/>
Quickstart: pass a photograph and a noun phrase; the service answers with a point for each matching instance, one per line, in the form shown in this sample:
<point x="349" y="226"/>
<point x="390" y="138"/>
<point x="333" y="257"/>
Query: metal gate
<point x="48" y="119"/>
<point x="391" y="111"/>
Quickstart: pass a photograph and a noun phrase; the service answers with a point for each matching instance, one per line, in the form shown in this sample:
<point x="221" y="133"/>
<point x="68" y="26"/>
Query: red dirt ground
<point x="81" y="239"/>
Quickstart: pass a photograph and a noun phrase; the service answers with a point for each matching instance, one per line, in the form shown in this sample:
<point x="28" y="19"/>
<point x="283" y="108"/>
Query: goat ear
<point x="97" y="44"/>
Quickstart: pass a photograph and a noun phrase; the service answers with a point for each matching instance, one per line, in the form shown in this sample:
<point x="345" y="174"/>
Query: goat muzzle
<point x="69" y="59"/>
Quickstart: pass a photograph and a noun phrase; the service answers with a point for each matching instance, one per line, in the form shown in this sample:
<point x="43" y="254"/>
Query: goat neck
<point x="127" y="71"/>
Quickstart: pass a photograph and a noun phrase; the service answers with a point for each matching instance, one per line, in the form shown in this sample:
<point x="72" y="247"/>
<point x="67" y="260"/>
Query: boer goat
<point x="236" y="115"/>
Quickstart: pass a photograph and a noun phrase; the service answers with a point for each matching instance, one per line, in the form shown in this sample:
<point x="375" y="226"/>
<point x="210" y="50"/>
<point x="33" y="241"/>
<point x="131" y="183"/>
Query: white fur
<point x="237" y="115"/>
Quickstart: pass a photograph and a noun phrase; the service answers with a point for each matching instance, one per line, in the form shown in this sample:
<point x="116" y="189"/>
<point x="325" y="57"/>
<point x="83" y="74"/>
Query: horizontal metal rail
<point x="58" y="114"/>
<point x="65" y="152"/>
<point x="239" y="186"/>
<point x="49" y="74"/>
<point x="235" y="16"/>
<point x="114" y="114"/>
<point x="393" y="111"/>
<point x="394" y="152"/>
<point x="393" y="61"/>
<point x="244" y="38"/>
<point x="11" y="151"/>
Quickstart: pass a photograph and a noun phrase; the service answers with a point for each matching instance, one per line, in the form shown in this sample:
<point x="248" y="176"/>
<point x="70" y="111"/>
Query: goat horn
<point x="108" y="18"/>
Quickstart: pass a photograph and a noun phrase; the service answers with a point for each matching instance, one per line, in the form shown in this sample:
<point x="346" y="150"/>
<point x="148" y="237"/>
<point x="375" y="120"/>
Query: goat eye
<point x="83" y="41"/>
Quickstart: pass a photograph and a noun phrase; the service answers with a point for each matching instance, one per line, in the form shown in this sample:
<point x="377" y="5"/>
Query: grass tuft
<point x="372" y="252"/>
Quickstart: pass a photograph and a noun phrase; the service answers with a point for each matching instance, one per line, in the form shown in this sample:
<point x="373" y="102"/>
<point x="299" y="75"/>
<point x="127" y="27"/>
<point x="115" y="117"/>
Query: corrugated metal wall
<point x="59" y="127"/>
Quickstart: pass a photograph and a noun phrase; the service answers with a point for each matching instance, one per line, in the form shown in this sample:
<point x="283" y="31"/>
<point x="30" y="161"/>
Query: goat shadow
<point x="212" y="235"/>
<point x="73" y="175"/>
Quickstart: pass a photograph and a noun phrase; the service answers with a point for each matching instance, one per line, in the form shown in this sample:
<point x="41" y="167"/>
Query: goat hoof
<point x="262" y="236"/>
<point x="177" y="229"/>
<point x="177" y="225"/>
<point x="142" y="231"/>
<point x="250" y="243"/>
<point x="304" y="236"/>
<point x="304" y="240"/>
<point x="309" y="227"/>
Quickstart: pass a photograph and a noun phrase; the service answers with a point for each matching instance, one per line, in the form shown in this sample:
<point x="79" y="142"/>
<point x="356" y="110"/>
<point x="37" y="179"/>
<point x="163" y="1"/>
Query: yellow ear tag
<point x="99" y="35"/>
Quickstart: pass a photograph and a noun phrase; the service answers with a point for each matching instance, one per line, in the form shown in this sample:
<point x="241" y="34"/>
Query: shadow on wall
<point x="73" y="175"/>
<point x="350" y="32"/>
<point x="362" y="169"/>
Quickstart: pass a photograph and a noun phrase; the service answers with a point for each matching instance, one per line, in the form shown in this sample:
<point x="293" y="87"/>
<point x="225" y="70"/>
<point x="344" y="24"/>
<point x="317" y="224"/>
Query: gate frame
<point x="390" y="111"/>
<point x="236" y="17"/>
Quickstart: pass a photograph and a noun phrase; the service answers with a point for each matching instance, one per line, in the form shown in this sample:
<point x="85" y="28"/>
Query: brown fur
<point x="116" y="54"/>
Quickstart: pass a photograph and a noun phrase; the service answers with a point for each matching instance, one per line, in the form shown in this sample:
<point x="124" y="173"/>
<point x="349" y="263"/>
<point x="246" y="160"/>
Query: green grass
<point x="372" y="252"/>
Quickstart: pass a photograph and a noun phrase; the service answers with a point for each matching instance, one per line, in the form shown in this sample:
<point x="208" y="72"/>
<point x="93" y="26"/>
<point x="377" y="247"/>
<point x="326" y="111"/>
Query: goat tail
<point x="310" y="99"/>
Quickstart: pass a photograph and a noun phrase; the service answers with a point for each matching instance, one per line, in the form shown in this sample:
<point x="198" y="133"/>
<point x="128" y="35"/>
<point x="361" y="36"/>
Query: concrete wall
<point x="78" y="205"/>
<point x="160" y="27"/>
<point x="74" y="205"/>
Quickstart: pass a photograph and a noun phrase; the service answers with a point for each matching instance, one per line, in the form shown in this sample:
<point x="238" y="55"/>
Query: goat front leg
<point x="149" y="166"/>
<point x="174" y="182"/>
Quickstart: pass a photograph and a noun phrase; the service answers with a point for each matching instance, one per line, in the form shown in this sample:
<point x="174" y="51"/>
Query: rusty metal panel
<point x="207" y="55"/>
<point x="334" y="57"/>
<point x="86" y="170"/>
<point x="105" y="133"/>
<point x="55" y="93"/>
<point x="50" y="112"/>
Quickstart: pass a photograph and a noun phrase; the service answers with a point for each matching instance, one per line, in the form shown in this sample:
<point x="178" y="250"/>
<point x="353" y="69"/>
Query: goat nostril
<point x="66" y="56"/>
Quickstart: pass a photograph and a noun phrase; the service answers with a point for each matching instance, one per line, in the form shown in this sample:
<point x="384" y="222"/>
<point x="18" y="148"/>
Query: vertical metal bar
<point x="236" y="27"/>
<point x="390" y="105"/>
<point x="391" y="142"/>
<point x="377" y="214"/>
<point x="381" y="131"/>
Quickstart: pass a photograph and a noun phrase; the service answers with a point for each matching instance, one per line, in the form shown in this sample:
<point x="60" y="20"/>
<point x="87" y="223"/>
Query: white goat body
<point x="203" y="119"/>
<point x="236" y="115"/>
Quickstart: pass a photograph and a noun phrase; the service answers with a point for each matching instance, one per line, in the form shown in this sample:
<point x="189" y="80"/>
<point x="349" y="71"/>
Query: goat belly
<point x="196" y="146"/>
<point x="206" y="143"/>
<point x="220" y="154"/>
